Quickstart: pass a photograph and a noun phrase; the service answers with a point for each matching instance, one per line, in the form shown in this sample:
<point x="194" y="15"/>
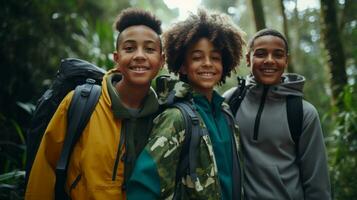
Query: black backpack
<point x="193" y="132"/>
<point x="294" y="109"/>
<point x="82" y="77"/>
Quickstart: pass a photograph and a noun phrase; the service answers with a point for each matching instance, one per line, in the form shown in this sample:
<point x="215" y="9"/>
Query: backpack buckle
<point x="90" y="81"/>
<point x="195" y="120"/>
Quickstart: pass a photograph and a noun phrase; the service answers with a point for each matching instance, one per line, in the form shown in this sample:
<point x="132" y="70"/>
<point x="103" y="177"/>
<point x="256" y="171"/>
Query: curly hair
<point x="134" y="16"/>
<point x="217" y="28"/>
<point x="265" y="32"/>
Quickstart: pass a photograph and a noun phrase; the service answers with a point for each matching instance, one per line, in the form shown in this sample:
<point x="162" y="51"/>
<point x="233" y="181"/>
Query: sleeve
<point x="313" y="158"/>
<point x="42" y="177"/>
<point x="155" y="171"/>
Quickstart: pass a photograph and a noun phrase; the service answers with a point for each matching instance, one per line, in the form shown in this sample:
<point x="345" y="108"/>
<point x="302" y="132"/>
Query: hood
<point x="170" y="90"/>
<point x="149" y="106"/>
<point x="292" y="84"/>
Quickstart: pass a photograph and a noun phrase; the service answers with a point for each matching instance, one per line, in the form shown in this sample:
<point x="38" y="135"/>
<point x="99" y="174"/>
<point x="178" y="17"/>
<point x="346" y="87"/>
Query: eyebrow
<point x="283" y="50"/>
<point x="134" y="41"/>
<point x="264" y="49"/>
<point x="196" y="51"/>
<point x="200" y="51"/>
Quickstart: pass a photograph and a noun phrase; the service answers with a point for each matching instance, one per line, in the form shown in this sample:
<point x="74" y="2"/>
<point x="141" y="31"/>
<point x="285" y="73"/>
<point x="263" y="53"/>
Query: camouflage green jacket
<point x="154" y="175"/>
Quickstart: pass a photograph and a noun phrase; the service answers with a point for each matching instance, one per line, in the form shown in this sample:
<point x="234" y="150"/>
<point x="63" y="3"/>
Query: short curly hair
<point x="218" y="28"/>
<point x="135" y="16"/>
<point x="267" y="32"/>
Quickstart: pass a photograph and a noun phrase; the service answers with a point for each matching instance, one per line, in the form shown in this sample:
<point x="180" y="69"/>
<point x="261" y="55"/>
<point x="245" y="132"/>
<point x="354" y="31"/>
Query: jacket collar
<point x="291" y="84"/>
<point x="213" y="106"/>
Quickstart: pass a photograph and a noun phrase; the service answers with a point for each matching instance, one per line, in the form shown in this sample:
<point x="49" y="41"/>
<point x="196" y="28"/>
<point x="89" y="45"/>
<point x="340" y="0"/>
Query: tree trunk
<point x="348" y="10"/>
<point x="296" y="24"/>
<point x="286" y="33"/>
<point x="258" y="14"/>
<point x="333" y="44"/>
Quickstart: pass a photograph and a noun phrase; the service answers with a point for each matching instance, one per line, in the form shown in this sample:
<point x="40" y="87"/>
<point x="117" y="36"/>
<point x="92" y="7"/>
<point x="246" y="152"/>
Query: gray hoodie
<point x="271" y="168"/>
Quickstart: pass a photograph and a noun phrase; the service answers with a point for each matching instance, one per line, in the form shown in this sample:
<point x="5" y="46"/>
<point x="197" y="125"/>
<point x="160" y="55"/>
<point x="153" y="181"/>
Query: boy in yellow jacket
<point x="105" y="154"/>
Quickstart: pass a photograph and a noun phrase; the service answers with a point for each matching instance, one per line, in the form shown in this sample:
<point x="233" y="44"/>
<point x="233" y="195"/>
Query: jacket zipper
<point x="117" y="158"/>
<point x="75" y="182"/>
<point x="260" y="110"/>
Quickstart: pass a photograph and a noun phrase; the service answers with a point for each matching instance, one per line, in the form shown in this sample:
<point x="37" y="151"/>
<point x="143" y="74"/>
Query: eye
<point x="279" y="55"/>
<point x="259" y="54"/>
<point x="150" y="49"/>
<point x="216" y="57"/>
<point x="196" y="58"/>
<point x="129" y="48"/>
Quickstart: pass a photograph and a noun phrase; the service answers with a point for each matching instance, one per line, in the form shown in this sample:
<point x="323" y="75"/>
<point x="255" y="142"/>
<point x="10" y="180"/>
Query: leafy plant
<point x="343" y="151"/>
<point x="12" y="157"/>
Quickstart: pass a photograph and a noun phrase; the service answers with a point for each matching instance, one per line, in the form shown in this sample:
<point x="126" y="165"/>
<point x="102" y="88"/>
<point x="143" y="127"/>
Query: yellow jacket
<point x="91" y="171"/>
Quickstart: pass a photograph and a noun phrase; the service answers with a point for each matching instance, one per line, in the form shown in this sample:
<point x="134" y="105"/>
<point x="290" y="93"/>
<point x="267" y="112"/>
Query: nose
<point x="139" y="54"/>
<point x="207" y="62"/>
<point x="269" y="59"/>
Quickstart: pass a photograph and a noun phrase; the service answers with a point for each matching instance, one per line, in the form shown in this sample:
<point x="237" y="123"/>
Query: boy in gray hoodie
<point x="275" y="167"/>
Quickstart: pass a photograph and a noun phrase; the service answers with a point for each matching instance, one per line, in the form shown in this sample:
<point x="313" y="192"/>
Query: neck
<point x="131" y="96"/>
<point x="209" y="97"/>
<point x="207" y="93"/>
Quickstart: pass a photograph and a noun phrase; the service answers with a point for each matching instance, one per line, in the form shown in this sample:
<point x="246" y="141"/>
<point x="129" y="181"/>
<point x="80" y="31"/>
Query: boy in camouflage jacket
<point x="202" y="50"/>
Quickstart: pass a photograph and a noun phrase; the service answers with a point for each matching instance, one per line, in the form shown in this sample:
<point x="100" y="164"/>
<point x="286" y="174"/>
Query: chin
<point x="141" y="82"/>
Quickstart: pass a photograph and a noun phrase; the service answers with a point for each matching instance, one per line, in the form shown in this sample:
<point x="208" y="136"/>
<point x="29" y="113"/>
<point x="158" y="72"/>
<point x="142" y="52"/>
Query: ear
<point x="116" y="59"/>
<point x="247" y="59"/>
<point x="116" y="56"/>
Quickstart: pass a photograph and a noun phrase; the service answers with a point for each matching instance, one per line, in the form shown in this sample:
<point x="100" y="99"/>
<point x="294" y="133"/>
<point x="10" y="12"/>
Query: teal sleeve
<point x="144" y="182"/>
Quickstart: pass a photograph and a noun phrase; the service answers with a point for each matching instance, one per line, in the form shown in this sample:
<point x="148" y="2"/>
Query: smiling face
<point x="203" y="66"/>
<point x="268" y="59"/>
<point x="139" y="55"/>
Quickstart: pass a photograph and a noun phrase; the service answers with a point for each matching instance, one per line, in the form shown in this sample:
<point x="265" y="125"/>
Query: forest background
<point x="35" y="35"/>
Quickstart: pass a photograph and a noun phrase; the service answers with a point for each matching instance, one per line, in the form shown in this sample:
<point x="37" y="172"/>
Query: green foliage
<point x="36" y="35"/>
<point x="12" y="145"/>
<point x="343" y="147"/>
<point x="12" y="159"/>
<point x="12" y="185"/>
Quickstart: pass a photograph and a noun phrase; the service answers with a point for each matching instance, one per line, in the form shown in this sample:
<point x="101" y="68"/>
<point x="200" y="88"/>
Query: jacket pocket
<point x="264" y="182"/>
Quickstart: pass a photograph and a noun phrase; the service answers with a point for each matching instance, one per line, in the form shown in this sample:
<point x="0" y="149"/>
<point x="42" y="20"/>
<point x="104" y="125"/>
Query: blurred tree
<point x="343" y="148"/>
<point x="343" y="142"/>
<point x="286" y="33"/>
<point x="258" y="12"/>
<point x="295" y="36"/>
<point x="348" y="29"/>
<point x="332" y="41"/>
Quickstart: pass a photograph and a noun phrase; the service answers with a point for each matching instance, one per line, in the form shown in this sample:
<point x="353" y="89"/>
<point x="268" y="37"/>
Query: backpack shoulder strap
<point x="188" y="155"/>
<point x="82" y="105"/>
<point x="237" y="97"/>
<point x="295" y="113"/>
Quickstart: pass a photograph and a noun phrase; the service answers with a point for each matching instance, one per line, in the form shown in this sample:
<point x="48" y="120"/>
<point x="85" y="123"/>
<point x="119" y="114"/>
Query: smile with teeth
<point x="206" y="74"/>
<point x="268" y="70"/>
<point x="139" y="68"/>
